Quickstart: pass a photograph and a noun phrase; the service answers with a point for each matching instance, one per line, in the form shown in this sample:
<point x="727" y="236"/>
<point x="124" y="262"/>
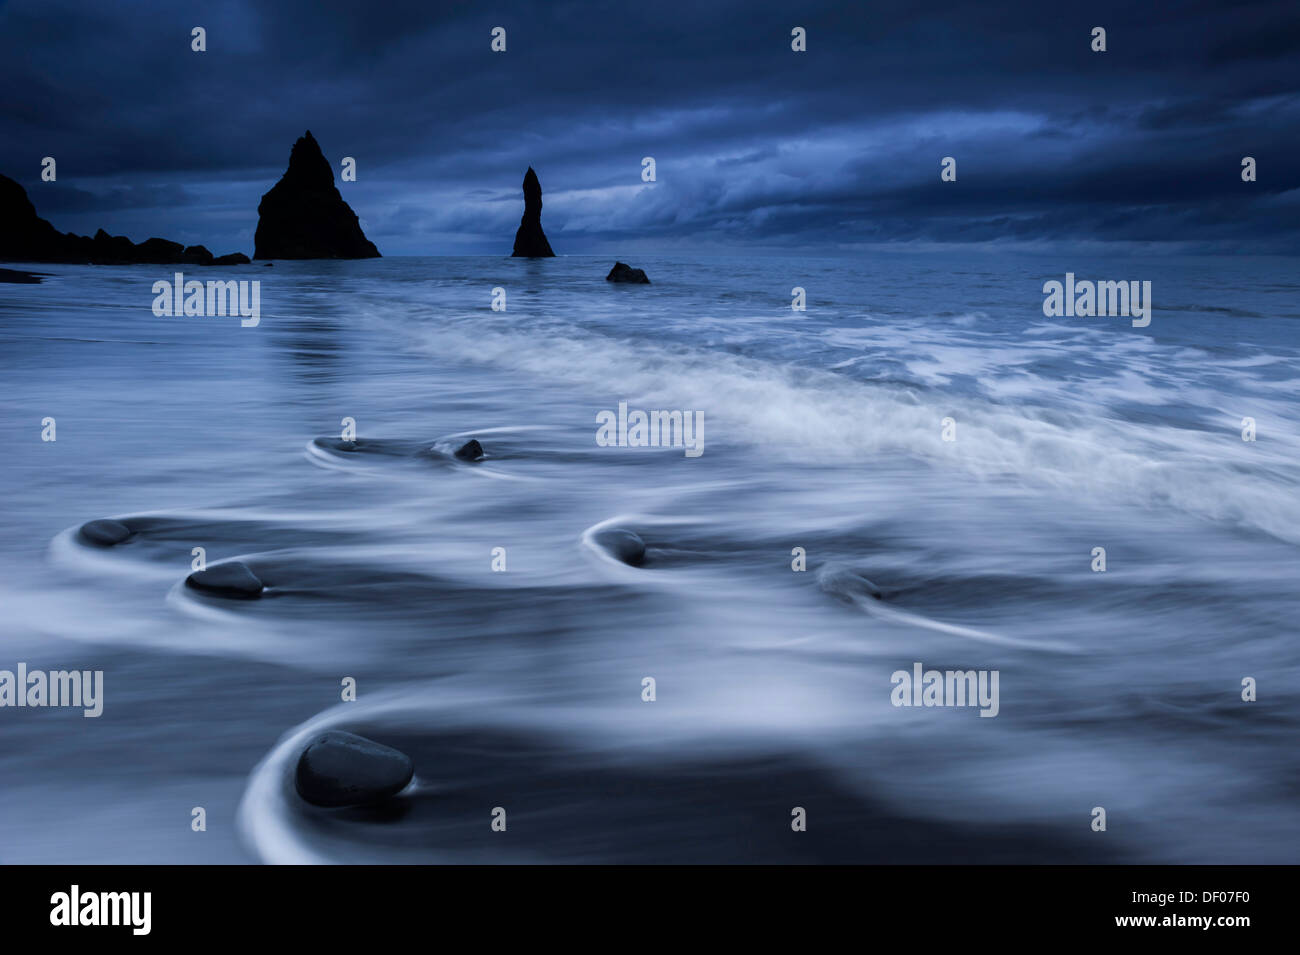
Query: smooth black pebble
<point x="623" y="545"/>
<point x="231" y="579"/>
<point x="104" y="533"/>
<point x="343" y="769"/>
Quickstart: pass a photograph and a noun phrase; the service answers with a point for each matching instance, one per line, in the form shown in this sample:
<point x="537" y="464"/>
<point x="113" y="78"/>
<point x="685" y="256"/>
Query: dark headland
<point x="305" y="217"/>
<point x="530" y="240"/>
<point x="26" y="237"/>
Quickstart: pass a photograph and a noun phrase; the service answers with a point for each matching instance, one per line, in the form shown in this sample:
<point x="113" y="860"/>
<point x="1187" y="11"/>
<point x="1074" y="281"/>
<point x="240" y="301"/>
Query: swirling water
<point x="522" y="688"/>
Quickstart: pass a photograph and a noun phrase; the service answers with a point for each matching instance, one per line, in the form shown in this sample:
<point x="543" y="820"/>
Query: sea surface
<point x="522" y="688"/>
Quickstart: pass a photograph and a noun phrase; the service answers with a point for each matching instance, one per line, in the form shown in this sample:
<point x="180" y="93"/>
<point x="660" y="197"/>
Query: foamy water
<point x="522" y="689"/>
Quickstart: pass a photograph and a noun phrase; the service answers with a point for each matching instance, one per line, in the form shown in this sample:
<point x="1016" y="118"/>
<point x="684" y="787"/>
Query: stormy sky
<point x="757" y="147"/>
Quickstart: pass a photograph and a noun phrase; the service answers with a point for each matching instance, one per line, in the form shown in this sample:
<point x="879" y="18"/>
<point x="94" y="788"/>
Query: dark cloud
<point x="755" y="145"/>
<point x="71" y="199"/>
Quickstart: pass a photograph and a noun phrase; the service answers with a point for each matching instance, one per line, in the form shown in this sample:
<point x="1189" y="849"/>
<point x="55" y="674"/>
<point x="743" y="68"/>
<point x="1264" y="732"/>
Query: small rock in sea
<point x="625" y="273"/>
<point x="105" y="533"/>
<point x="230" y="579"/>
<point x="623" y="545"/>
<point x="269" y="265"/>
<point x="840" y="581"/>
<point x="470" y="451"/>
<point x="234" y="258"/>
<point x="343" y="769"/>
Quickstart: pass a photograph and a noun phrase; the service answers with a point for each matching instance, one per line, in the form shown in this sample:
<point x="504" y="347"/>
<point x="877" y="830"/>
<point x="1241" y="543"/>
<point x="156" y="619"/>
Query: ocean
<point x="916" y="471"/>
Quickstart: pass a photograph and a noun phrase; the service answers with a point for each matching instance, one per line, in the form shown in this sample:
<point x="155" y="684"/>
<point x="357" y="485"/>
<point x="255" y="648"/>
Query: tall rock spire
<point x="305" y="217"/>
<point x="530" y="240"/>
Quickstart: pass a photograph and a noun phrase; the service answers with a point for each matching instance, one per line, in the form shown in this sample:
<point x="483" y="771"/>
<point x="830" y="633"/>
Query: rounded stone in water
<point x="623" y="545"/>
<point x="105" y="533"/>
<point x="343" y="769"/>
<point x="230" y="579"/>
<point x="470" y="450"/>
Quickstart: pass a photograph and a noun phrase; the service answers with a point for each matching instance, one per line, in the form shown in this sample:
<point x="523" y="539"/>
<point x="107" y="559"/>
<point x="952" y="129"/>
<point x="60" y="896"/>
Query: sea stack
<point x="530" y="240"/>
<point x="305" y="217"/>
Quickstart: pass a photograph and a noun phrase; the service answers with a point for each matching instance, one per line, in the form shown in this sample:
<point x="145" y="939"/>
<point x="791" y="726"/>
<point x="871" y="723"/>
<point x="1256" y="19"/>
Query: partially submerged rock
<point x="622" y="544"/>
<point x="104" y="533"/>
<point x="471" y="450"/>
<point x="625" y="273"/>
<point x="343" y="769"/>
<point x="228" y="579"/>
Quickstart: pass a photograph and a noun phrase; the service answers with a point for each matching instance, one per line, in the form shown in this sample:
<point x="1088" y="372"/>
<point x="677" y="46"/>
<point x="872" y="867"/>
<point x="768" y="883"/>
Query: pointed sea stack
<point x="304" y="217"/>
<point x="530" y="240"/>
